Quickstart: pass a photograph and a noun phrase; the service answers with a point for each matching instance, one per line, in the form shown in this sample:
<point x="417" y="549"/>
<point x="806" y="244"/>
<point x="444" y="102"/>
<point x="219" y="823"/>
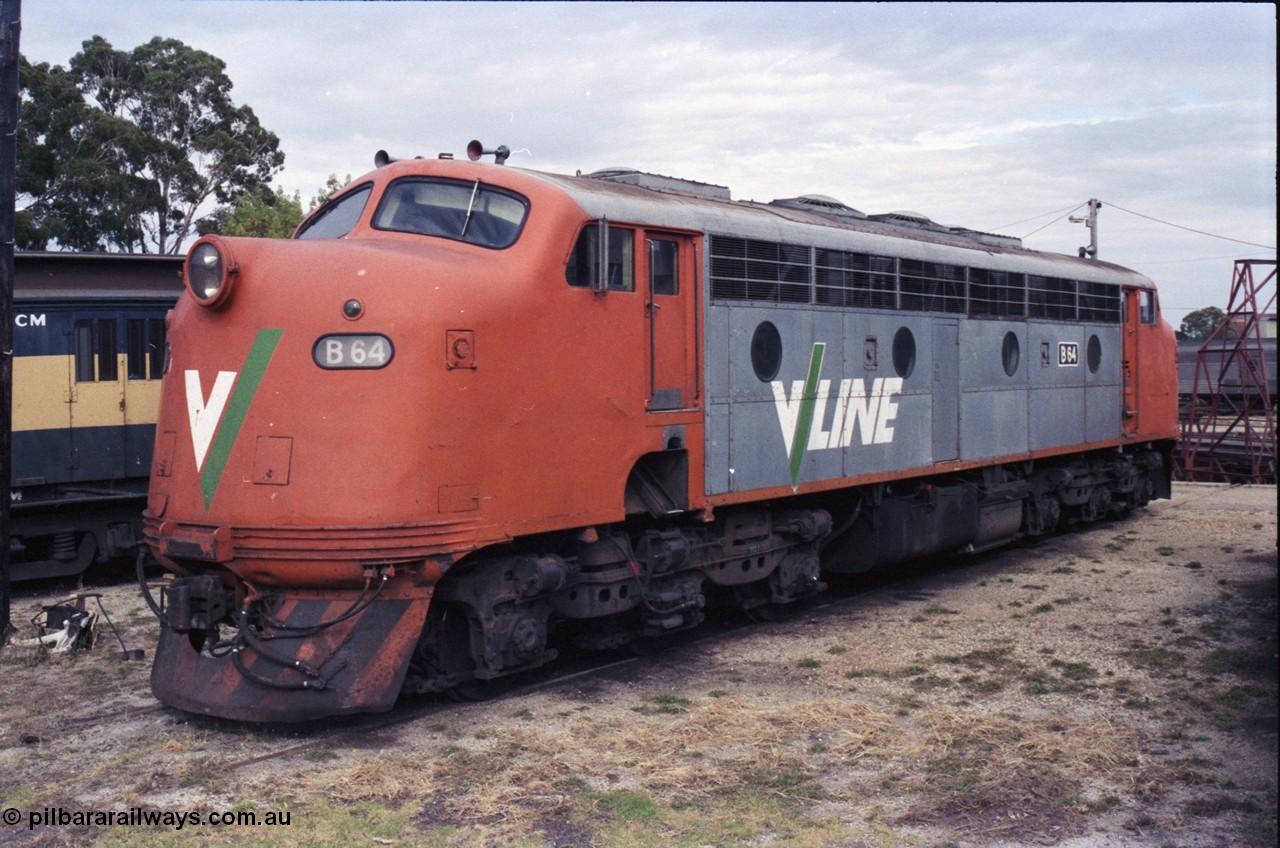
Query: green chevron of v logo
<point x="219" y="419"/>
<point x="804" y="421"/>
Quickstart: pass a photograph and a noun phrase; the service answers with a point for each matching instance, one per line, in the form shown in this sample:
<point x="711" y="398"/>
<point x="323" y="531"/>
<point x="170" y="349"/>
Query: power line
<point x="1147" y="262"/>
<point x="1191" y="229"/>
<point x="1068" y="210"/>
<point x="1054" y="221"/>
<point x="1062" y="213"/>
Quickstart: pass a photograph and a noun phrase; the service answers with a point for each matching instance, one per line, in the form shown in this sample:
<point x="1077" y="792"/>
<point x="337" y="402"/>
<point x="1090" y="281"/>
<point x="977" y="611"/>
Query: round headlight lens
<point x="205" y="271"/>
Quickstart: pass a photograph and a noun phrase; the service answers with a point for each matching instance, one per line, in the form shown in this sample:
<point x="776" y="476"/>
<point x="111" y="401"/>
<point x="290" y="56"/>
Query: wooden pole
<point x="10" y="26"/>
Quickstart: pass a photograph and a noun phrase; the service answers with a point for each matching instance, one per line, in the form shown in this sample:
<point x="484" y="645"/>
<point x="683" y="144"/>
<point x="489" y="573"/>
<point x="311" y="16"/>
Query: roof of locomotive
<point x="669" y="202"/>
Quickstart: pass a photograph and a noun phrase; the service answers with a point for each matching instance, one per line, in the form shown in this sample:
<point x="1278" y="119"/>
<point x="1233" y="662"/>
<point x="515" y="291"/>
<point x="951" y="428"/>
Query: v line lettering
<point x="802" y="415"/>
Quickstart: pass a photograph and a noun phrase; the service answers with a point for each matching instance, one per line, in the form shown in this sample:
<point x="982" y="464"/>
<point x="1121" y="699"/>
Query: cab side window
<point x="1147" y="307"/>
<point x="663" y="277"/>
<point x="583" y="269"/>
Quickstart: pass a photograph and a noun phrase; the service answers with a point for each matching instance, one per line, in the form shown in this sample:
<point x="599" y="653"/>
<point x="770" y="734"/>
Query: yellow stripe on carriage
<point x="47" y="397"/>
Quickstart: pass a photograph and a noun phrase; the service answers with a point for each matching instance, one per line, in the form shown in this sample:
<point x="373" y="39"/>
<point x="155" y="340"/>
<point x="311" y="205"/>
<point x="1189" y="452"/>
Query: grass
<point x="624" y="805"/>
<point x="557" y="784"/>
<point x="1239" y="661"/>
<point x="663" y="705"/>
<point x="1110" y="728"/>
<point x="1155" y="659"/>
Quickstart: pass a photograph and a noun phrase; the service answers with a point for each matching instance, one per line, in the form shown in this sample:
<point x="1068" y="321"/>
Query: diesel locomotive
<point x="470" y="414"/>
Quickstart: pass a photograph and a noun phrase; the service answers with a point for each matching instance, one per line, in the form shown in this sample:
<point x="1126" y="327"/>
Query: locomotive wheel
<point x="445" y="654"/>
<point x="755" y="601"/>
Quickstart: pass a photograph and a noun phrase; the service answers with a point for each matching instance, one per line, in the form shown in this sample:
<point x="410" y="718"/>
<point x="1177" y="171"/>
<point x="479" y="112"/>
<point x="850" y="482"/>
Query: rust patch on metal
<point x="360" y="664"/>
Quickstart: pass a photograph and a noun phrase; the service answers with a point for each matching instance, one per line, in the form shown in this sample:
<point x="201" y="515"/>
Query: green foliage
<point x="1201" y="323"/>
<point x="329" y="189"/>
<point x="257" y="214"/>
<point x="76" y="167"/>
<point x="127" y="150"/>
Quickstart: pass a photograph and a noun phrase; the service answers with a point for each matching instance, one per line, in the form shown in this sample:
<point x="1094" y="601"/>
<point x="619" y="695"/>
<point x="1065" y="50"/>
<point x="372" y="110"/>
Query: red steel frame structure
<point x="1228" y="428"/>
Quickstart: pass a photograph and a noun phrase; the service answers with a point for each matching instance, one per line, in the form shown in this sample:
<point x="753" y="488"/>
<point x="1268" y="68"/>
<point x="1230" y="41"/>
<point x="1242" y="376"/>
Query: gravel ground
<point x="1111" y="687"/>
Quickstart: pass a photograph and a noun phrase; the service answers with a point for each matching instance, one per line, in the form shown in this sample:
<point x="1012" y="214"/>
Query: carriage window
<point x="584" y="263"/>
<point x="337" y="217"/>
<point x="144" y="346"/>
<point x="467" y="211"/>
<point x="96" y="345"/>
<point x="662" y="267"/>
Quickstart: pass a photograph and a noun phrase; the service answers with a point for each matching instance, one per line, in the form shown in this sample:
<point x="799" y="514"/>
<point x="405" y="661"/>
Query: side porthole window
<point x="1094" y="354"/>
<point x="766" y="351"/>
<point x="904" y="353"/>
<point x="1010" y="353"/>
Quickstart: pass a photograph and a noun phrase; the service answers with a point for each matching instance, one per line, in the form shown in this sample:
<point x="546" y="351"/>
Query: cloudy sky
<point x="999" y="117"/>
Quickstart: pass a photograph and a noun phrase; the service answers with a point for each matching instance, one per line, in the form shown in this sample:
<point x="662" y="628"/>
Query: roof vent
<point x="820" y="203"/>
<point x="904" y="216"/>
<point x="994" y="239"/>
<point x="657" y="182"/>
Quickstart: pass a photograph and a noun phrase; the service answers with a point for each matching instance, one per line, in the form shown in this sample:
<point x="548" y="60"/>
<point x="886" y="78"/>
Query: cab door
<point x="671" y="315"/>
<point x="1138" y="310"/>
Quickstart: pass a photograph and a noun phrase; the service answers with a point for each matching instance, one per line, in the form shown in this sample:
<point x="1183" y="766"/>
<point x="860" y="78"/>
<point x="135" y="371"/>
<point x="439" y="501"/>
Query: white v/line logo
<point x="802" y="416"/>
<point x="874" y="407"/>
<point x="205" y="415"/>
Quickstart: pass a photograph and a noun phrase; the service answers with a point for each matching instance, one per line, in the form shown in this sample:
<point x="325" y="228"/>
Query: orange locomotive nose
<point x="308" y="488"/>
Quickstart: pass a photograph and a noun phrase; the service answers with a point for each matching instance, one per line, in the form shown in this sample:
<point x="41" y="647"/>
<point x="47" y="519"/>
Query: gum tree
<point x="130" y="150"/>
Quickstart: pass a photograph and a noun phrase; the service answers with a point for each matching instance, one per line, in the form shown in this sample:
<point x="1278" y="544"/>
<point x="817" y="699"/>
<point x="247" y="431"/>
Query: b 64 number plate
<point x="350" y="350"/>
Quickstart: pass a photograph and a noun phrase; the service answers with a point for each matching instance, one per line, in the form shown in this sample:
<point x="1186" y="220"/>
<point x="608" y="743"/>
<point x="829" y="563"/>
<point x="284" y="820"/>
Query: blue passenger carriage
<point x="89" y="341"/>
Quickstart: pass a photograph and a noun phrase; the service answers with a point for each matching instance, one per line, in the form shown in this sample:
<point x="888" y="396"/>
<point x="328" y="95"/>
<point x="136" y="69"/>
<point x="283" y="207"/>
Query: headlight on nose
<point x="209" y="272"/>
